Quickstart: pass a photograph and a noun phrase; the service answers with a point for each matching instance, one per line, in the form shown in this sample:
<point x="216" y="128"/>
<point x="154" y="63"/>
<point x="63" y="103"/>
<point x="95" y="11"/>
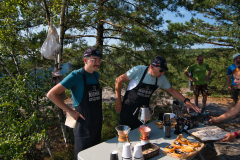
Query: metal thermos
<point x="167" y="125"/>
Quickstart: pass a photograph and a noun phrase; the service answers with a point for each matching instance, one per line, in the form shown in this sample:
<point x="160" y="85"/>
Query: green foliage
<point x="135" y="24"/>
<point x="68" y="93"/>
<point x="110" y="121"/>
<point x="67" y="154"/>
<point x="23" y="116"/>
<point x="218" y="59"/>
<point x="189" y="94"/>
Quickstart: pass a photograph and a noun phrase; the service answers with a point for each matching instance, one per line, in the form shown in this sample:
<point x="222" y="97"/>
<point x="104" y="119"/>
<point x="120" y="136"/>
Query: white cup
<point x="126" y="152"/>
<point x="137" y="153"/>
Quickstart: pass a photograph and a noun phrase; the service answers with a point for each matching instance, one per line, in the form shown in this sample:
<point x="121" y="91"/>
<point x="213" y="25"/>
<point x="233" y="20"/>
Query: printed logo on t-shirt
<point x="94" y="94"/>
<point x="144" y="92"/>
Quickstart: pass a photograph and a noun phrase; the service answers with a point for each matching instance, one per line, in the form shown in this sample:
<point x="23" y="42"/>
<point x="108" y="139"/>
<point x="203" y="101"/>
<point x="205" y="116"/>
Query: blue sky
<point x="187" y="16"/>
<point x="167" y="16"/>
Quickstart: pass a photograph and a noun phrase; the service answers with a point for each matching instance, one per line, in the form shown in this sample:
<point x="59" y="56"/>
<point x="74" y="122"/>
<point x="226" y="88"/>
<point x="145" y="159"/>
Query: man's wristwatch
<point x="236" y="134"/>
<point x="186" y="99"/>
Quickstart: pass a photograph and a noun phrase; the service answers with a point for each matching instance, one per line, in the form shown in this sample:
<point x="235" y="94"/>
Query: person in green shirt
<point x="199" y="79"/>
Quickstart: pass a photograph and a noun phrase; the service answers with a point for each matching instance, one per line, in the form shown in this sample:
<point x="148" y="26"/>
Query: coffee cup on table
<point x="126" y="152"/>
<point x="137" y="153"/>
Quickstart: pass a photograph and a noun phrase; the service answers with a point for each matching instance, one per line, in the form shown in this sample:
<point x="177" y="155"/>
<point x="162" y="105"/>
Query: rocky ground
<point x="223" y="150"/>
<point x="216" y="107"/>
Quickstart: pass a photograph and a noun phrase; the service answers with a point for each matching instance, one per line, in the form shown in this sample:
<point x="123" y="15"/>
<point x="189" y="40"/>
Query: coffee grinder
<point x="194" y="117"/>
<point x="177" y="109"/>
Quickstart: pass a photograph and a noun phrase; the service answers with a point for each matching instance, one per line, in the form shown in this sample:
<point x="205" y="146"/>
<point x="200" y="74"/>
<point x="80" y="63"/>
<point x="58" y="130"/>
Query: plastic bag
<point x="51" y="45"/>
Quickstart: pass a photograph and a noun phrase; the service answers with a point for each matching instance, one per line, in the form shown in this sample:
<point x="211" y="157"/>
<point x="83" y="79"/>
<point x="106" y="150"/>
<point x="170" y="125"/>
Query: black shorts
<point x="198" y="88"/>
<point x="234" y="91"/>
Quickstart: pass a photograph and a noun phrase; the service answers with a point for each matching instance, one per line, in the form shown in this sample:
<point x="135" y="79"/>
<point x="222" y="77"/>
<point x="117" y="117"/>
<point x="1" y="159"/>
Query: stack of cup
<point x="114" y="155"/>
<point x="137" y="153"/>
<point x="126" y="152"/>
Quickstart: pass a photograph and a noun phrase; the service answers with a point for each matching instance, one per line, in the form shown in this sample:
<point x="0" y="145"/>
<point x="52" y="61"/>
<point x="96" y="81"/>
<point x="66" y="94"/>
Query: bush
<point x="24" y="122"/>
<point x="110" y="121"/>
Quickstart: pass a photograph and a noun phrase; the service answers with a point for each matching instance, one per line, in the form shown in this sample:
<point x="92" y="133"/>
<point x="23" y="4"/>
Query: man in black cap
<point x="144" y="80"/>
<point x="87" y="100"/>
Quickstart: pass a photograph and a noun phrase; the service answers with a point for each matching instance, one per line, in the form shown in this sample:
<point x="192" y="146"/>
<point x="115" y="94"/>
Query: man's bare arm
<point x="118" y="89"/>
<point x="180" y="97"/>
<point x="53" y="96"/>
<point x="230" y="113"/>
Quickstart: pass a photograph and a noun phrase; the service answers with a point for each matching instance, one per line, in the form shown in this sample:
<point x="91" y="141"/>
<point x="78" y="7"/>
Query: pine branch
<point x="210" y="42"/>
<point x="114" y="65"/>
<point x="78" y="36"/>
<point x="115" y="25"/>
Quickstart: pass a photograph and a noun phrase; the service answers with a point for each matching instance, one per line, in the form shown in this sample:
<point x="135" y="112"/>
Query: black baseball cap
<point x="161" y="62"/>
<point x="91" y="51"/>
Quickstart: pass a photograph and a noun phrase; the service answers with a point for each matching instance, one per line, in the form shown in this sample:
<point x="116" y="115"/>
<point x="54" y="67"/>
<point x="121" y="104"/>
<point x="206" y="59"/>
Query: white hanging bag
<point x="51" y="45"/>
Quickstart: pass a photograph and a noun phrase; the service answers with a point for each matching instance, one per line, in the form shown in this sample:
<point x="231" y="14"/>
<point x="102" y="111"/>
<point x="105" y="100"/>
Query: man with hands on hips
<point x="87" y="100"/>
<point x="230" y="113"/>
<point x="144" y="80"/>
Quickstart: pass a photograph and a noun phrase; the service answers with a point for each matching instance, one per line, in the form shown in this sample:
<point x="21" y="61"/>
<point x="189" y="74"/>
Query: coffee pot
<point x="144" y="114"/>
<point x="123" y="131"/>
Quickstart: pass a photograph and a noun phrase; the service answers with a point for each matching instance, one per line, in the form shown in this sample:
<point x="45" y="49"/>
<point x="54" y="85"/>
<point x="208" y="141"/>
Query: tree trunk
<point x="59" y="62"/>
<point x="99" y="39"/>
<point x="47" y="11"/>
<point x="62" y="32"/>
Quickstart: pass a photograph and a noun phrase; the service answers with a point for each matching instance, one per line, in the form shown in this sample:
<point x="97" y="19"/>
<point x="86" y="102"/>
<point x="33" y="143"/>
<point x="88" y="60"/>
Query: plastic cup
<point x="126" y="152"/>
<point x="137" y="153"/>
